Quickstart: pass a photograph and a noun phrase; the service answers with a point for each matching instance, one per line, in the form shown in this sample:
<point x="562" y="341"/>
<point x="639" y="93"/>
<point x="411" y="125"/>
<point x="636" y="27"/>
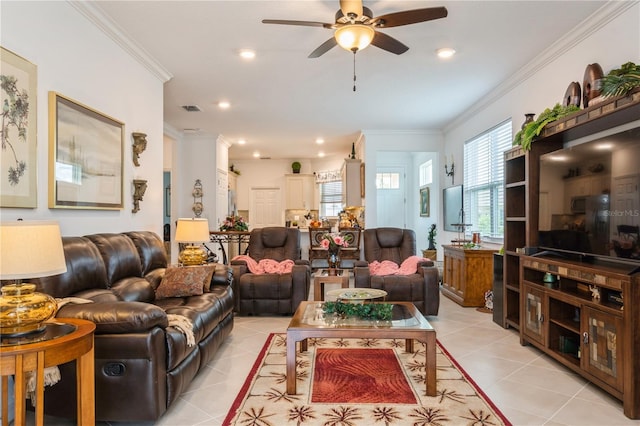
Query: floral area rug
<point x="357" y="382"/>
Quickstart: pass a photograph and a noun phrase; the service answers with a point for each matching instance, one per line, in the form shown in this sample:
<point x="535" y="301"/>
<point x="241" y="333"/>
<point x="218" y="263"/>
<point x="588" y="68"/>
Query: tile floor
<point x="526" y="385"/>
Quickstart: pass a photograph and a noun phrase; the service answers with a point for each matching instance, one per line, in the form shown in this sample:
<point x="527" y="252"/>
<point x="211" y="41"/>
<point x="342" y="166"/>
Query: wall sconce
<point x="139" y="145"/>
<point x="139" y="188"/>
<point x="447" y="171"/>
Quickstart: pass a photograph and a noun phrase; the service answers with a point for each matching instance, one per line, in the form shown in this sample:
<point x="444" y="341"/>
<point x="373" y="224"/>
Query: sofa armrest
<point x="303" y="262"/>
<point x="117" y="317"/>
<point x="222" y="275"/>
<point x="361" y="276"/>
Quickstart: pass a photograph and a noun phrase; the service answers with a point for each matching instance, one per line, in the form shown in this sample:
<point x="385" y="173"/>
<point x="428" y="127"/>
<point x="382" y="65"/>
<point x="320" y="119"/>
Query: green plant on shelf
<point x="376" y="311"/>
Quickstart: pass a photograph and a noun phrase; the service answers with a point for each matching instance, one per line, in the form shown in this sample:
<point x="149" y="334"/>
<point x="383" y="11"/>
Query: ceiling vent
<point x="191" y="108"/>
<point x="265" y="158"/>
<point x="190" y="131"/>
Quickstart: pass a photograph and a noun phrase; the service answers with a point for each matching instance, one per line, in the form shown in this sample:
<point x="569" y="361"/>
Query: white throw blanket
<point x="185" y="326"/>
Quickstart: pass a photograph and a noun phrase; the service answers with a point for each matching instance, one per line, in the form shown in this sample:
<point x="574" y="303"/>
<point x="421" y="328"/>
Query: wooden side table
<point x="66" y="339"/>
<point x="322" y="277"/>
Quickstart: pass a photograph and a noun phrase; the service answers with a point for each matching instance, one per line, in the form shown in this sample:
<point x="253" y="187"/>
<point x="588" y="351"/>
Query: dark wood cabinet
<point x="594" y="337"/>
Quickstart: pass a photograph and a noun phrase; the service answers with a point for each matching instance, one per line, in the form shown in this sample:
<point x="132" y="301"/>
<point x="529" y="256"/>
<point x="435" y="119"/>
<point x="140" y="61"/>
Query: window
<point x="330" y="198"/>
<point x="387" y="180"/>
<point x="426" y="173"/>
<point x="484" y="179"/>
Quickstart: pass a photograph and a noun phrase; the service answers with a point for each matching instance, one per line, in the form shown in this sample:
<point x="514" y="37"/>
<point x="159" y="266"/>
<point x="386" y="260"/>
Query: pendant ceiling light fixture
<point x="354" y="37"/>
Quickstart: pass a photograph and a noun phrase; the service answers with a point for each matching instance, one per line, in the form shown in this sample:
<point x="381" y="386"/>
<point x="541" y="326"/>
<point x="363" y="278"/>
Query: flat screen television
<point x="453" y="197"/>
<point x="590" y="197"/>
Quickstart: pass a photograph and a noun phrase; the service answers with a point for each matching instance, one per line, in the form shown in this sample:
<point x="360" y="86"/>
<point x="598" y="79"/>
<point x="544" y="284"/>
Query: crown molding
<point x="103" y="22"/>
<point x="601" y="17"/>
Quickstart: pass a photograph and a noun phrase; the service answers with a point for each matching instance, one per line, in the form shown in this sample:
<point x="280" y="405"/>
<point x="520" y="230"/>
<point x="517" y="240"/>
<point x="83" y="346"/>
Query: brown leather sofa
<point x="395" y="244"/>
<point x="142" y="365"/>
<point x="271" y="293"/>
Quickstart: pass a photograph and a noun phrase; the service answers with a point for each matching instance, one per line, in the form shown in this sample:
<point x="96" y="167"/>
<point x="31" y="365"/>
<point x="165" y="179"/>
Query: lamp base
<point x="192" y="255"/>
<point x="23" y="310"/>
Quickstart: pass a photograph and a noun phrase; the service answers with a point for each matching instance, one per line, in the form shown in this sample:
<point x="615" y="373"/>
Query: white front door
<point x="391" y="197"/>
<point x="265" y="208"/>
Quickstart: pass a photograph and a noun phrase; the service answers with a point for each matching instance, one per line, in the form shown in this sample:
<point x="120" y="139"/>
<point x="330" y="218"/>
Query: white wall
<point x="79" y="61"/>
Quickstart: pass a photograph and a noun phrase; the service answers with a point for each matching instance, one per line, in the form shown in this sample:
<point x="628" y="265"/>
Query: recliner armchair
<point x="271" y="293"/>
<point x="396" y="244"/>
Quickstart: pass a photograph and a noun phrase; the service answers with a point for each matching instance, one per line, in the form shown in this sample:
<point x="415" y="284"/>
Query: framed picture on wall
<point x="18" y="165"/>
<point x="424" y="202"/>
<point x="85" y="157"/>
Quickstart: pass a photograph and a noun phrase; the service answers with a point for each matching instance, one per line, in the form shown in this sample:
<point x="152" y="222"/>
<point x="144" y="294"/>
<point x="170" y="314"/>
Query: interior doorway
<point x="391" y="196"/>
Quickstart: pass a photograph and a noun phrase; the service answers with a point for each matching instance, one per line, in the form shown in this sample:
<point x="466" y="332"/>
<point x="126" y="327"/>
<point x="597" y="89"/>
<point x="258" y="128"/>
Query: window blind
<point x="330" y="198"/>
<point x="484" y="178"/>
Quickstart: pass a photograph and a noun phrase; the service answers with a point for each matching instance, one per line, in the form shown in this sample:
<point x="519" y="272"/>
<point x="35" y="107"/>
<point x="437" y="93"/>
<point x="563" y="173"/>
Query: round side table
<point x="64" y="340"/>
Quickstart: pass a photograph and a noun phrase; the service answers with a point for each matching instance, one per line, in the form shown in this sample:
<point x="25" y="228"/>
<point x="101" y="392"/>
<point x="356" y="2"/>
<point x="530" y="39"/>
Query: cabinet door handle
<point x="541" y="318"/>
<point x="585" y="338"/>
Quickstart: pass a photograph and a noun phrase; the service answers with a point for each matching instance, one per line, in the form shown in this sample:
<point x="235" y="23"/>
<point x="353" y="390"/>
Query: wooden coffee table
<point x="322" y="277"/>
<point x="407" y="323"/>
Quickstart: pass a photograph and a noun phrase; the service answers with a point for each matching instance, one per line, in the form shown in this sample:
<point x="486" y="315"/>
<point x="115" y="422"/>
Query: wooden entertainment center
<point x="549" y="298"/>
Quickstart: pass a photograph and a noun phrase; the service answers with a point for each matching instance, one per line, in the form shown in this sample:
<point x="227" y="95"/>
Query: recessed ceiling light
<point x="247" y="54"/>
<point x="224" y="104"/>
<point x="561" y="158"/>
<point x="256" y="154"/>
<point x="321" y="154"/>
<point x="445" y="52"/>
<point x="319" y="141"/>
<point x="241" y="141"/>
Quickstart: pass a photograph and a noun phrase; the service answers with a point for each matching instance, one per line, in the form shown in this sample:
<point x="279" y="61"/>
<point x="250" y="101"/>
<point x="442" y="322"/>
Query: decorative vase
<point x="333" y="259"/>
<point x="528" y="119"/>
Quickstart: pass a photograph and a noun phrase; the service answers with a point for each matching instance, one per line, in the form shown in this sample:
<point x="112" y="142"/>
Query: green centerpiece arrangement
<point x="375" y="311"/>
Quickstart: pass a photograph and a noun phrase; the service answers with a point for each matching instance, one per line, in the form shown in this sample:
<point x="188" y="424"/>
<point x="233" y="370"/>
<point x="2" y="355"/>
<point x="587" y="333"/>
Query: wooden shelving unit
<point x="594" y="337"/>
<point x="564" y="320"/>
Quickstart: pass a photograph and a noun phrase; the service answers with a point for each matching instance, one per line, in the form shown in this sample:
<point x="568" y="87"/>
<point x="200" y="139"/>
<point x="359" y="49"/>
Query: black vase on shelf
<point x="528" y="119"/>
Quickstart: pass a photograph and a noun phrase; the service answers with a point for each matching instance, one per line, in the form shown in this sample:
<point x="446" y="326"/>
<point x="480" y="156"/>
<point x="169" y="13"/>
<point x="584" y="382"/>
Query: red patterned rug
<point x="357" y="382"/>
<point x="359" y="376"/>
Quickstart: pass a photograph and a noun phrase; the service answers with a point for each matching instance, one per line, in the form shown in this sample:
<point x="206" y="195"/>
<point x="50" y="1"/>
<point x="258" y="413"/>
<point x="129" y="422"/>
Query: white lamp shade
<point x="30" y="249"/>
<point x="192" y="230"/>
<point x="354" y="36"/>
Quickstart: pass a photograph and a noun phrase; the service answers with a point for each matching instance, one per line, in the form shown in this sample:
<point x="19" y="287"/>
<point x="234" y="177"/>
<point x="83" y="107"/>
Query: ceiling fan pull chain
<point x="354" y="70"/>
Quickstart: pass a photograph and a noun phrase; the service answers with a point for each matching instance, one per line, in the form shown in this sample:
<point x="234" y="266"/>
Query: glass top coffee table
<point x="407" y="323"/>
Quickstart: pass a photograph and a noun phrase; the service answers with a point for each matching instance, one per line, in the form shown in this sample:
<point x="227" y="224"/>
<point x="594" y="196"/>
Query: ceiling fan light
<point x="354" y="37"/>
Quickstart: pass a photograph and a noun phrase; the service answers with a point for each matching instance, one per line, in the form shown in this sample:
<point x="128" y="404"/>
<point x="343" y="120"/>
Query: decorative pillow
<point x="181" y="281"/>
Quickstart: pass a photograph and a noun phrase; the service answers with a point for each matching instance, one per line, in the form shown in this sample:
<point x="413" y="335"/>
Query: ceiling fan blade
<point x="410" y="17"/>
<point x="351" y="7"/>
<point x="302" y="23"/>
<point x="388" y="43"/>
<point x="323" y="48"/>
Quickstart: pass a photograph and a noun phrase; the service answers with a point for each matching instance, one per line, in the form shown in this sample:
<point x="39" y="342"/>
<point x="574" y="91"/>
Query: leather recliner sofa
<point x="142" y="364"/>
<point x="271" y="293"/>
<point x="396" y="244"/>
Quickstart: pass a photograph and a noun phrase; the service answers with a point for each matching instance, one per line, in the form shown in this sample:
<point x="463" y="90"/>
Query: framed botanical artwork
<point x="18" y="163"/>
<point x="424" y="202"/>
<point x="85" y="157"/>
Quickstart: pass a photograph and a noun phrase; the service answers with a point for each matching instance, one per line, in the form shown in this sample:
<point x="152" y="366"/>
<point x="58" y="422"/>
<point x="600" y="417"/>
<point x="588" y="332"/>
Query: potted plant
<point x="431" y="251"/>
<point x="295" y="166"/>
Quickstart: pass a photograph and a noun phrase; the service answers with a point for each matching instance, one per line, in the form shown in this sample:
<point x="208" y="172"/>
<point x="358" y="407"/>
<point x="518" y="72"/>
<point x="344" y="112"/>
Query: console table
<point x="64" y="340"/>
<point x="222" y="237"/>
<point x="468" y="274"/>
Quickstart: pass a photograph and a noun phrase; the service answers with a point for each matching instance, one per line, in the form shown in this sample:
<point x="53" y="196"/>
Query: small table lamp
<point x="192" y="231"/>
<point x="28" y="249"/>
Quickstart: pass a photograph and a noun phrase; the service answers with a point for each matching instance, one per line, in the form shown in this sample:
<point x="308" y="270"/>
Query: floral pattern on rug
<point x="263" y="400"/>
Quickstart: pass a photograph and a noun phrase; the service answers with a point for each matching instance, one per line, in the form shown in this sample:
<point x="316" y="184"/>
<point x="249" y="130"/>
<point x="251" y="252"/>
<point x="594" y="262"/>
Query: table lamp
<point x="28" y="249"/>
<point x="192" y="231"/>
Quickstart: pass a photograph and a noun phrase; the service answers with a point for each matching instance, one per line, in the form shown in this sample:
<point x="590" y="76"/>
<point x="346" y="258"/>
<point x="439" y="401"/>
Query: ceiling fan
<point x="356" y="28"/>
